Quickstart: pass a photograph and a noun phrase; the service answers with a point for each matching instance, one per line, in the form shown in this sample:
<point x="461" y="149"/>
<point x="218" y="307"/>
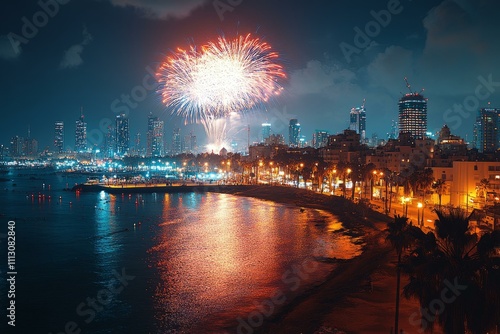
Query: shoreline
<point x="307" y="312"/>
<point x="358" y="295"/>
<point x="340" y="302"/>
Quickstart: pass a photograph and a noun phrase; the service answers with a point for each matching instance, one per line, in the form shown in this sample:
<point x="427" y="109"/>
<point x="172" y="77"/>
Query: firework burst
<point x="208" y="83"/>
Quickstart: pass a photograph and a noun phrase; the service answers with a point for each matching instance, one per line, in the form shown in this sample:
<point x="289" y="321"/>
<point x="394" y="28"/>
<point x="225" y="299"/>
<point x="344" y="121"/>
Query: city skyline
<point x="332" y="62"/>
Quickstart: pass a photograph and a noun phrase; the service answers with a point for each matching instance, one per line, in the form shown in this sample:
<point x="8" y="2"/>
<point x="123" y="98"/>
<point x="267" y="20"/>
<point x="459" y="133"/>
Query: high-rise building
<point x="362" y="123"/>
<point x="486" y="132"/>
<point x="320" y="138"/>
<point x="81" y="134"/>
<point x="294" y="132"/>
<point x="413" y="115"/>
<point x="59" y="136"/>
<point x="176" y="141"/>
<point x="109" y="143"/>
<point x="394" y="130"/>
<point x="357" y="121"/>
<point x="155" y="144"/>
<point x="149" y="134"/>
<point x="30" y="147"/>
<point x="266" y="131"/>
<point x="122" y="135"/>
<point x="16" y="146"/>
<point x="158" y="145"/>
<point x="190" y="143"/>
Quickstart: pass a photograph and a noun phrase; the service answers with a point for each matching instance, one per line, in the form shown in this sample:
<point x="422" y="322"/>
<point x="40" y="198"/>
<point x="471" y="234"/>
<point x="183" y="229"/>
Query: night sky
<point x="92" y="52"/>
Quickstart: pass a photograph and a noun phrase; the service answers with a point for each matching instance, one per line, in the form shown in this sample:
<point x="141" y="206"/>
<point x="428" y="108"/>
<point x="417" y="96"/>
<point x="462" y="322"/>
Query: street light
<point x="404" y="203"/>
<point x="419" y="207"/>
<point x="345" y="174"/>
<point x="335" y="181"/>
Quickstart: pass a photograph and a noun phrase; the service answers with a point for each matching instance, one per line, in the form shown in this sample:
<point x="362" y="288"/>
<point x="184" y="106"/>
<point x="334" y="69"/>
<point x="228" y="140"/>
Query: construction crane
<point x="409" y="88"/>
<point x="363" y="105"/>
<point x="408" y="85"/>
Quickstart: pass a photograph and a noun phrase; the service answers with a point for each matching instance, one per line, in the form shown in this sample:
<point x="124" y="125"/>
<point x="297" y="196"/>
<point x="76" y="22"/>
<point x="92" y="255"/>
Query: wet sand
<point x="359" y="295"/>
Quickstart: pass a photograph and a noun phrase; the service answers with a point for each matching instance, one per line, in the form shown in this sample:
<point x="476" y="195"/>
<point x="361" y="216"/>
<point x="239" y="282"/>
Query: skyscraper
<point x="154" y="137"/>
<point x="357" y="121"/>
<point x="294" y="132"/>
<point x="266" y="131"/>
<point x="59" y="136"/>
<point x="122" y="135"/>
<point x="320" y="138"/>
<point x="16" y="146"/>
<point x="176" y="141"/>
<point x="81" y="134"/>
<point x="413" y="115"/>
<point x="157" y="142"/>
<point x="109" y="142"/>
<point x="190" y="143"/>
<point x="486" y="132"/>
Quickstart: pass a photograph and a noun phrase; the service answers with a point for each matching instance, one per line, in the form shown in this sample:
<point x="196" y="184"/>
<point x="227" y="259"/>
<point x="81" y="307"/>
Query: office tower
<point x="413" y="115"/>
<point x="294" y="132"/>
<point x="362" y="123"/>
<point x="266" y="131"/>
<point x="486" y="134"/>
<point x="394" y="130"/>
<point x="16" y="146"/>
<point x="357" y="121"/>
<point x="302" y="141"/>
<point x="122" y="135"/>
<point x="81" y="134"/>
<point x="320" y="138"/>
<point x="149" y="134"/>
<point x="109" y="142"/>
<point x="155" y="146"/>
<point x="30" y="147"/>
<point x="176" y="141"/>
<point x="190" y="143"/>
<point x="59" y="136"/>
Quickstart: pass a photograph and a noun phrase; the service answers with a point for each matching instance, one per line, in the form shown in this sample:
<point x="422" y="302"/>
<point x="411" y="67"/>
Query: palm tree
<point x="367" y="175"/>
<point x="399" y="237"/>
<point x="425" y="178"/>
<point x="439" y="187"/>
<point x="455" y="275"/>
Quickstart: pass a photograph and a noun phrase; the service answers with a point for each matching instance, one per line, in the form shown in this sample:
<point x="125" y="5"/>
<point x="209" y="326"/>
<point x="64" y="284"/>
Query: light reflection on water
<point x="223" y="256"/>
<point x="199" y="260"/>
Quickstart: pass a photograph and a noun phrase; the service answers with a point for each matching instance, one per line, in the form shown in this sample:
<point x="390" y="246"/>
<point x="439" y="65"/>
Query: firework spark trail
<point x="225" y="76"/>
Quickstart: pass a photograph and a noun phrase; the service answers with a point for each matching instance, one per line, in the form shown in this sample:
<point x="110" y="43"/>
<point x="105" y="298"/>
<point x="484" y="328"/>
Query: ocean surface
<point x="156" y="263"/>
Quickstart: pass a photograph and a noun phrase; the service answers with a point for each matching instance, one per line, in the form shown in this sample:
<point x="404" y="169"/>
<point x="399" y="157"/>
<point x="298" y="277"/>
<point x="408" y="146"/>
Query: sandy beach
<point x="359" y="295"/>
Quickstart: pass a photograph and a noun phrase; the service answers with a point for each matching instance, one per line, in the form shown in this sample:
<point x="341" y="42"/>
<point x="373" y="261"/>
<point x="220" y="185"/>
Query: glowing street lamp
<point x="419" y="207"/>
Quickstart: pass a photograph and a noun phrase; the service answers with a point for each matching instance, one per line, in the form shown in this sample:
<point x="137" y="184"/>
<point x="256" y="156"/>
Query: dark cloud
<point x="73" y="56"/>
<point x="162" y="9"/>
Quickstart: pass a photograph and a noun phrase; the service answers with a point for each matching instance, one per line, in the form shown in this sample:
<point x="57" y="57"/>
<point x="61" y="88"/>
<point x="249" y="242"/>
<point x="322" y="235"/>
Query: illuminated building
<point x="122" y="135"/>
<point x="81" y="134"/>
<point x="294" y="132"/>
<point x="413" y="115"/>
<point x="486" y="134"/>
<point x="266" y="131"/>
<point x="59" y="136"/>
